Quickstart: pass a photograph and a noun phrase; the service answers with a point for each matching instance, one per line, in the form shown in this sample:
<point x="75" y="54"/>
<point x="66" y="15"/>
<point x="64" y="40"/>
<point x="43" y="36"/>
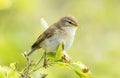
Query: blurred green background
<point x="97" y="41"/>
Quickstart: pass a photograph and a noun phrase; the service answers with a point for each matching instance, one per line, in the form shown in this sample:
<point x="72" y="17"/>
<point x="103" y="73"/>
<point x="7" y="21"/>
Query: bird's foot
<point x="45" y="63"/>
<point x="66" y="59"/>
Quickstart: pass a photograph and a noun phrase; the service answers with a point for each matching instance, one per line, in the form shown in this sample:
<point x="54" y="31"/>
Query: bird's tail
<point x="30" y="51"/>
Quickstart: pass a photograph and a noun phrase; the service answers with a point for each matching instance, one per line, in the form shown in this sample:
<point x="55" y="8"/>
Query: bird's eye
<point x="69" y="22"/>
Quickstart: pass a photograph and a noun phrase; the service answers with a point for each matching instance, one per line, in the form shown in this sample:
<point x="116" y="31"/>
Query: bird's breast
<point x="69" y="37"/>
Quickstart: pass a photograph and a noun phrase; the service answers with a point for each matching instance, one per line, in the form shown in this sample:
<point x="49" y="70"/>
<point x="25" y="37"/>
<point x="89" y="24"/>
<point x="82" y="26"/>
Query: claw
<point x="67" y="60"/>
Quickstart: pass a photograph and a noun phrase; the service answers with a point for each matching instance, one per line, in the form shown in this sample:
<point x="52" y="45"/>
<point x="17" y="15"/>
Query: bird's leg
<point x="45" y="61"/>
<point x="65" y="57"/>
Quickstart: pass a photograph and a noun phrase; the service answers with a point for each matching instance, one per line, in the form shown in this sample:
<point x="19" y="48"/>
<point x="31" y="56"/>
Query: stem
<point x="26" y="70"/>
<point x="35" y="67"/>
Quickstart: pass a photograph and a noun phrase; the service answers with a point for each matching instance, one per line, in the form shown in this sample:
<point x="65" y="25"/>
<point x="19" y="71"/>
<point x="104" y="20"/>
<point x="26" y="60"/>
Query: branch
<point x="26" y="70"/>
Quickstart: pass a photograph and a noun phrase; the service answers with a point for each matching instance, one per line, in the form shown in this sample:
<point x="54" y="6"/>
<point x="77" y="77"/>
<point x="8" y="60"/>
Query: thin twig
<point x="35" y="67"/>
<point x="27" y="68"/>
<point x="26" y="71"/>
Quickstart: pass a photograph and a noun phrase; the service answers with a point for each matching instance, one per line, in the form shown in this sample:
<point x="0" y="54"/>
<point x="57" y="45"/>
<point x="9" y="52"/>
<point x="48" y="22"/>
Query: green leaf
<point x="13" y="74"/>
<point x="3" y="71"/>
<point x="51" y="55"/>
<point x="59" y="52"/>
<point x="81" y="70"/>
<point x="62" y="64"/>
<point x="13" y="66"/>
<point x="9" y="72"/>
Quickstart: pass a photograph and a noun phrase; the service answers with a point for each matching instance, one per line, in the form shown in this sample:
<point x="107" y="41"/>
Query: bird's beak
<point x="77" y="26"/>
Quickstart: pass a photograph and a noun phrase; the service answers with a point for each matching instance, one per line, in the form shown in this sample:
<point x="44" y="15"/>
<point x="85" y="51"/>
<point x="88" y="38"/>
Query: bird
<point x="62" y="31"/>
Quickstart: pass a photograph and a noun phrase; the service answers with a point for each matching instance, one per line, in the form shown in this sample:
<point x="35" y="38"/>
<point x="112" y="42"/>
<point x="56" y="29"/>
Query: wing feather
<point x="46" y="34"/>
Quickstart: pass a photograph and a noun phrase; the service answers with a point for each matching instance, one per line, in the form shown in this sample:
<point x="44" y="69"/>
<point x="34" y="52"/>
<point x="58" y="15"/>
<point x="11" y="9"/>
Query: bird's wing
<point x="46" y="34"/>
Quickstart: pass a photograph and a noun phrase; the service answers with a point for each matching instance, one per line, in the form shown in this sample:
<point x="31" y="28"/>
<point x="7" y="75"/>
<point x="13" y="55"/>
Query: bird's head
<point x="69" y="21"/>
